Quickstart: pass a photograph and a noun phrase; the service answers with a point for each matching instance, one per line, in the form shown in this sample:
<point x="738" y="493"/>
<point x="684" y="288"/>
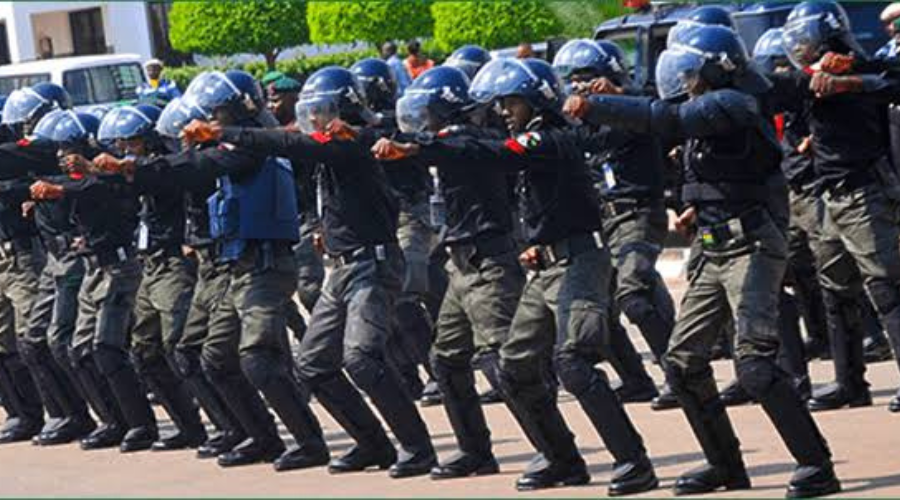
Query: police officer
<point x="351" y="321"/>
<point x="468" y="59"/>
<point x="106" y="210"/>
<point x="281" y="99"/>
<point x="630" y="174"/>
<point x="45" y="347"/>
<point x="485" y="277"/>
<point x="22" y="261"/>
<point x="164" y="297"/>
<point x="563" y="307"/>
<point x="157" y="91"/>
<point x="410" y="185"/>
<point x="253" y="218"/>
<point x="858" y="246"/>
<point x="206" y="324"/>
<point x="737" y="203"/>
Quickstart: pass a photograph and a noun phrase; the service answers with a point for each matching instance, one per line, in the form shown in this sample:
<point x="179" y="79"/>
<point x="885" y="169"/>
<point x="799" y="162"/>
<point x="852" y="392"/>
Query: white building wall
<point x="125" y="26"/>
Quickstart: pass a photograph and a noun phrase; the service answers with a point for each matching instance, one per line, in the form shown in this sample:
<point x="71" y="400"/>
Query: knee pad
<point x="60" y="353"/>
<point x="365" y="369"/>
<point x="575" y="374"/>
<point x="638" y="307"/>
<point x="680" y="378"/>
<point x="32" y="352"/>
<point x="757" y="375"/>
<point x="260" y="368"/>
<point x="884" y="295"/>
<point x="186" y="363"/>
<point x="452" y="375"/>
<point x="109" y="360"/>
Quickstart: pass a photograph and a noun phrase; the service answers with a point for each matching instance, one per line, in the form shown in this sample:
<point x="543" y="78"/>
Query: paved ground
<point x="864" y="441"/>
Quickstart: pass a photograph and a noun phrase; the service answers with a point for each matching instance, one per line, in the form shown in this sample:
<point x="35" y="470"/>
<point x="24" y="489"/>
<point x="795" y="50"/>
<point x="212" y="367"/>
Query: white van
<point x="90" y="80"/>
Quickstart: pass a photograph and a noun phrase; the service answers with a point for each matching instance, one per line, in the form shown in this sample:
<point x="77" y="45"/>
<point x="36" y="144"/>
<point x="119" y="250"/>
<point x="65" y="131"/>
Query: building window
<point x="87" y="32"/>
<point x="4" y="45"/>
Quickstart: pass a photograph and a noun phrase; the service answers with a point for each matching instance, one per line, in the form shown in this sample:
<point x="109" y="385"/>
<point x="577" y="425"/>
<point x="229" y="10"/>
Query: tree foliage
<point x="233" y="27"/>
<point x="493" y="23"/>
<point x="581" y="18"/>
<point x="373" y="21"/>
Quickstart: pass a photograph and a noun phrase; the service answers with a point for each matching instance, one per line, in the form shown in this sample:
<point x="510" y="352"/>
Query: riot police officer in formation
<point x="160" y="249"/>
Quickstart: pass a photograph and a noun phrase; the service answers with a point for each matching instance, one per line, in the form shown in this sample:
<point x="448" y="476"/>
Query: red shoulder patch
<point x="76" y="176"/>
<point x="23" y="143"/>
<point x="320" y="137"/>
<point x="514" y="146"/>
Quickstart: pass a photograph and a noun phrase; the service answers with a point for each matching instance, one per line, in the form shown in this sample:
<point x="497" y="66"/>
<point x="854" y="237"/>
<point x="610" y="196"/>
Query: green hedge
<point x="372" y="21"/>
<point x="301" y="66"/>
<point x="493" y="23"/>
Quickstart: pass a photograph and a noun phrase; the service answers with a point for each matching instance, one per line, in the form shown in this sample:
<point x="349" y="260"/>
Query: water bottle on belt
<point x="436" y="203"/>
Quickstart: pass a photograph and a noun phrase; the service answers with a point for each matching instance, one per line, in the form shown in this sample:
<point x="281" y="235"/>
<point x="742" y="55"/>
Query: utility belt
<point x="622" y="206"/>
<point x="567" y="248"/>
<point x="10" y="249"/>
<point x="472" y="253"/>
<point x="268" y="251"/>
<point x="59" y="245"/>
<point x="111" y="257"/>
<point x="720" y="235"/>
<point x="157" y="255"/>
<point x="851" y="183"/>
<point x="366" y="253"/>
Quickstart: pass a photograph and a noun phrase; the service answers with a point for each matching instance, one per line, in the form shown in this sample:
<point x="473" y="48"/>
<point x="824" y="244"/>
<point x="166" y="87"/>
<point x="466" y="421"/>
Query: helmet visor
<point x="413" y="115"/>
<point x="124" y="123"/>
<point x="804" y="41"/>
<point x="578" y="55"/>
<point x="677" y="71"/>
<point x="211" y="90"/>
<point x="316" y="111"/>
<point x="22" y="106"/>
<point x="67" y="128"/>
<point x="501" y="78"/>
<point x="176" y="116"/>
<point x="46" y="125"/>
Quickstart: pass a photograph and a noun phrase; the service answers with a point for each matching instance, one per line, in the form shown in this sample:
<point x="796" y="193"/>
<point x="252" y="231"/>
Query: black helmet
<point x="129" y="122"/>
<point x="713" y="54"/>
<point x="707" y="15"/>
<point x="30" y="104"/>
<point x="378" y="82"/>
<point x="435" y="99"/>
<point x="469" y="59"/>
<point x="769" y="51"/>
<point x="330" y="93"/>
<point x="68" y="128"/>
<point x="593" y="58"/>
<point x="814" y="28"/>
<point x="532" y="79"/>
<point x="235" y="90"/>
<point x="176" y="115"/>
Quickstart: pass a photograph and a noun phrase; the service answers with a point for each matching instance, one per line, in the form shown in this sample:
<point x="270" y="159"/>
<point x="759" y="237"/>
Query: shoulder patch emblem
<point x="529" y="140"/>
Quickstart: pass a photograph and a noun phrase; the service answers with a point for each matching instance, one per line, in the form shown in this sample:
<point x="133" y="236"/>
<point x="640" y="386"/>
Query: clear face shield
<point x="804" y="40"/>
<point x="315" y="112"/>
<point x="123" y="123"/>
<point x="22" y="106"/>
<point x="210" y="90"/>
<point x="413" y="115"/>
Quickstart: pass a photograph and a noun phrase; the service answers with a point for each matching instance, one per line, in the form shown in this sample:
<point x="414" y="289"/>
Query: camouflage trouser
<point x="162" y="305"/>
<point x="635" y="238"/>
<point x="741" y="278"/>
<point x="413" y="329"/>
<point x="350" y="329"/>
<point x="19" y="286"/>
<point x="478" y="307"/>
<point x="562" y="314"/>
<point x="105" y="307"/>
<point x="19" y="289"/>
<point x="67" y="272"/>
<point x="859" y="251"/>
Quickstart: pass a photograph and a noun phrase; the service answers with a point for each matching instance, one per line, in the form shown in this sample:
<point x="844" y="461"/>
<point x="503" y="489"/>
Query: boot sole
<point x="730" y="487"/>
<point x="634" y="489"/>
<point x="830" y="489"/>
<point x="483" y="471"/>
<point x="569" y="481"/>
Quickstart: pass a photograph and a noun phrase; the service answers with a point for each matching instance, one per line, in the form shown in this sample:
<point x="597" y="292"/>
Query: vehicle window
<point x="103" y="84"/>
<point x="10" y="83"/>
<point x="627" y="41"/>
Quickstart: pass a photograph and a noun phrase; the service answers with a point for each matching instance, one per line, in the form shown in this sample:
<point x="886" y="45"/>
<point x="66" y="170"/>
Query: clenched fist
<point x="43" y="190"/>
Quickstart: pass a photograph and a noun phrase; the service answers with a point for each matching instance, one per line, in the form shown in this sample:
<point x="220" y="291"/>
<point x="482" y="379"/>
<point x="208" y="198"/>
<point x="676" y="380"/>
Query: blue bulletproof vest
<point x="262" y="207"/>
